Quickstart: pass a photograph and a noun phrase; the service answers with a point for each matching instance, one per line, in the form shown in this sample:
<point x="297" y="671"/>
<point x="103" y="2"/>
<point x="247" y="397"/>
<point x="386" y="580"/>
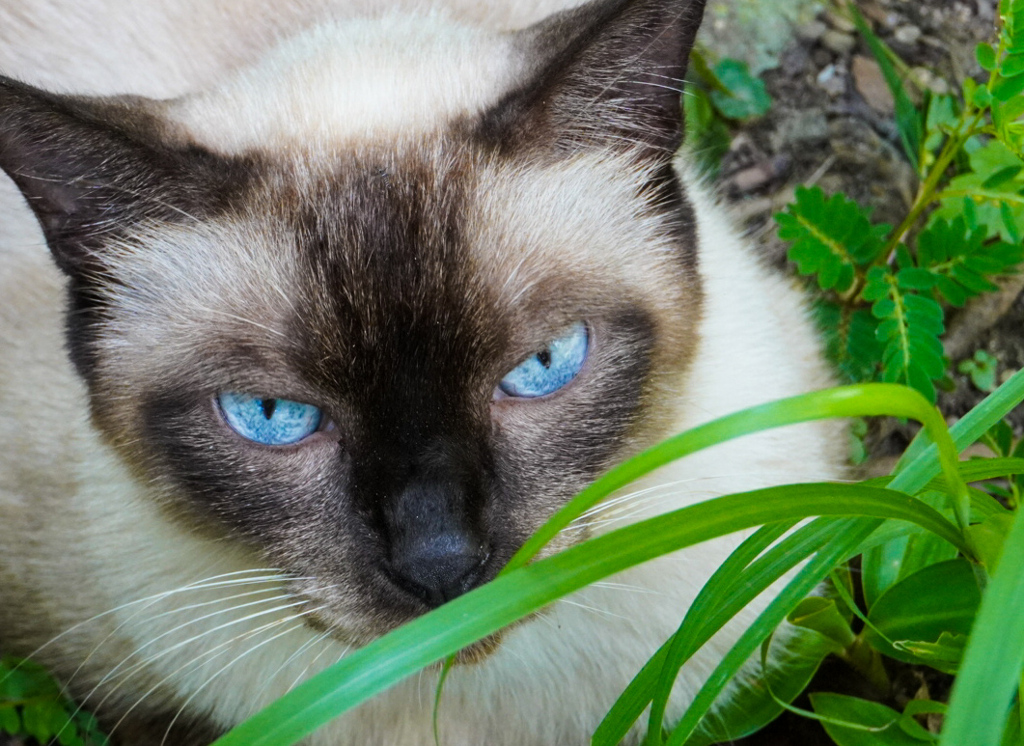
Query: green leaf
<point x="850" y="721"/>
<point x="1002" y="176"/>
<point x="982" y="97"/>
<point x="823" y="616"/>
<point x="830" y="238"/>
<point x="42" y="720"/>
<point x="958" y="259"/>
<point x="881" y="568"/>
<point x="940" y="120"/>
<point x="943" y="597"/>
<point x="943" y="655"/>
<point x="741" y="95"/>
<point x="1007" y="88"/>
<point x="732" y="586"/>
<point x="988" y="538"/>
<point x="752" y="706"/>
<point x="1012" y="65"/>
<point x="850" y="339"/>
<point x="982" y="369"/>
<point x="972" y="427"/>
<point x="1010" y="221"/>
<point x="909" y="327"/>
<point x="812" y="573"/>
<point x="915" y="278"/>
<point x="920" y="707"/>
<point x="10" y="720"/>
<point x="883" y="565"/>
<point x="1000" y="438"/>
<point x="993" y="157"/>
<point x="986" y="56"/>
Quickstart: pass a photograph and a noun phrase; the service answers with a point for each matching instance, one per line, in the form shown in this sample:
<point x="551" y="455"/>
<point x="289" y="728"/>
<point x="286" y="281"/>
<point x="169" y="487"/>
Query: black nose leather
<point x="438" y="568"/>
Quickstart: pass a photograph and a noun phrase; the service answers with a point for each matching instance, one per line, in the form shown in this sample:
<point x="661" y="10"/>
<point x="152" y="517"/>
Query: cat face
<point x="381" y="356"/>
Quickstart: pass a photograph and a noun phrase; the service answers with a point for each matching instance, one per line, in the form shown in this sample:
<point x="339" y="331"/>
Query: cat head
<point x="380" y="305"/>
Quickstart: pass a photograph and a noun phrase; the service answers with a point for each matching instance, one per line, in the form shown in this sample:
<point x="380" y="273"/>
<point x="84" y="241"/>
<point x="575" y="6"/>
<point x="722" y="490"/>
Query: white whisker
<point x="302" y="674"/>
<point x="250" y="651"/>
<point x="139" y="665"/>
<point x="594" y="609"/>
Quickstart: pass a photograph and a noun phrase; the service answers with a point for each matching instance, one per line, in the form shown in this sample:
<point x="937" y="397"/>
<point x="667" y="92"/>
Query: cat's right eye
<point x="269" y="422"/>
<point x="550" y="369"/>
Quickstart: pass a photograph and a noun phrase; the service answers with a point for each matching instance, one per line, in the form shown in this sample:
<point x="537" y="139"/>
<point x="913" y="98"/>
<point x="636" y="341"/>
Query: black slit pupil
<point x="269" y="405"/>
<point x="544" y="356"/>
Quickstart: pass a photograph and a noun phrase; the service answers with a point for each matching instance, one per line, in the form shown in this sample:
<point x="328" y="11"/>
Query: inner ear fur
<point x="92" y="167"/>
<point x="606" y="74"/>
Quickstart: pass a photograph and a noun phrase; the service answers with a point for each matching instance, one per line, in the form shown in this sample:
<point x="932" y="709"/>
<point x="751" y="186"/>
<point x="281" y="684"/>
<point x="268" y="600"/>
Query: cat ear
<point x="90" y="168"/>
<point x="606" y="74"/>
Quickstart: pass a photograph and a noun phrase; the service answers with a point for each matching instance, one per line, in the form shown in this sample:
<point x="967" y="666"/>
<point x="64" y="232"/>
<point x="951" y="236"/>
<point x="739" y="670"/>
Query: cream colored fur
<point x="108" y="548"/>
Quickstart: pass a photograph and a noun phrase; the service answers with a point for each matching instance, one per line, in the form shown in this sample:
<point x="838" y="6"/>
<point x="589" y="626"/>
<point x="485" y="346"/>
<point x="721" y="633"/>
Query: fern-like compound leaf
<point x="957" y="260"/>
<point x="909" y="327"/>
<point x="830" y="238"/>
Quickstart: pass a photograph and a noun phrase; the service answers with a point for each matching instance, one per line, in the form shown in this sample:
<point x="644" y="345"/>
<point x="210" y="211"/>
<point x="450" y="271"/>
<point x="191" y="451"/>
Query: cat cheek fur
<point x="380" y="216"/>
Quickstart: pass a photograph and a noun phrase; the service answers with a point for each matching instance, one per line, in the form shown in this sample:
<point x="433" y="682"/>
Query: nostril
<point x="440" y="568"/>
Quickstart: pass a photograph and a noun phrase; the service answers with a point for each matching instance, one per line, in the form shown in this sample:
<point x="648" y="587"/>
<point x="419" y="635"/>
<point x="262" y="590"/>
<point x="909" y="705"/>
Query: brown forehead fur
<point x="539" y="246"/>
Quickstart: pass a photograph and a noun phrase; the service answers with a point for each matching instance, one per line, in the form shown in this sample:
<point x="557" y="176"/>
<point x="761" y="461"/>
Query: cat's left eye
<point x="270" y="422"/>
<point x="550" y="369"/>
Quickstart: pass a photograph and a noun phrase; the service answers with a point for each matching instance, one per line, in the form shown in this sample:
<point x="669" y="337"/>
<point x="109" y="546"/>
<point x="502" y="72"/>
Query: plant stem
<point x="867" y="661"/>
<point x="926" y="189"/>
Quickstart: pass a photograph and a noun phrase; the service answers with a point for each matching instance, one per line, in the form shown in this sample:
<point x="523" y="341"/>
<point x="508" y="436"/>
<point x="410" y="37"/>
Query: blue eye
<point x="551" y="368"/>
<point x="272" y="422"/>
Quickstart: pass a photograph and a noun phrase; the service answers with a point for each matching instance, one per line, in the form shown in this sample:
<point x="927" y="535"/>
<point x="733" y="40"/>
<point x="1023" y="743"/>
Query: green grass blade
<point x="861" y="400"/>
<point x="483" y="611"/>
<point x="696" y="629"/>
<point x="847" y="537"/>
<point x="636" y="696"/>
<point x="991" y="669"/>
<point x="711" y="599"/>
<point x="921" y="454"/>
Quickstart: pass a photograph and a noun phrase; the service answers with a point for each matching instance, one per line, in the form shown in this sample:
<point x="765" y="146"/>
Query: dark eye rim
<point x="326" y="430"/>
<point x="500" y="395"/>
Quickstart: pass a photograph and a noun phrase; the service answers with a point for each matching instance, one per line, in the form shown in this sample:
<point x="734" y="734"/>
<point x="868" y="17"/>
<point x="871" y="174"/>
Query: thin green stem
<point x="926" y="189"/>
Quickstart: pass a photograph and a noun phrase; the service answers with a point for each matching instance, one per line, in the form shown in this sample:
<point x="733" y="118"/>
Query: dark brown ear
<point x="607" y="74"/>
<point x="90" y="168"/>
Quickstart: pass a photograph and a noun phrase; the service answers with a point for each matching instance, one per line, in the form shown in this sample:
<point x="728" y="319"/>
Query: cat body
<point x="381" y="212"/>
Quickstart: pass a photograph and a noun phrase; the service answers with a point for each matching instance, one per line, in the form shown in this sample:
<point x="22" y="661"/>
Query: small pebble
<point x="907" y="34"/>
<point x="870" y="83"/>
<point x="838" y="42"/>
<point x="839" y="23"/>
<point x="803" y="128"/>
<point x="750" y="179"/>
<point x="811" y="31"/>
<point x="927" y="79"/>
<point x="832" y="79"/>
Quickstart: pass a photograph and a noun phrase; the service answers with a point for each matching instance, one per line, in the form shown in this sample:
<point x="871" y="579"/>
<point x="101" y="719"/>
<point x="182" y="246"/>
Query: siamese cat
<point x="311" y="315"/>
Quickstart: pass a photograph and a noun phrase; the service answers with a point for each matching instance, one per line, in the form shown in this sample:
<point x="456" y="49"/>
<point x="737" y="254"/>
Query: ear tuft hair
<point x="89" y="168"/>
<point x="608" y="74"/>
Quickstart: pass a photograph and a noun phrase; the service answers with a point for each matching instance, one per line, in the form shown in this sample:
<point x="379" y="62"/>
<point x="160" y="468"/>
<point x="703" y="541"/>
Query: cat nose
<point x="438" y="568"/>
